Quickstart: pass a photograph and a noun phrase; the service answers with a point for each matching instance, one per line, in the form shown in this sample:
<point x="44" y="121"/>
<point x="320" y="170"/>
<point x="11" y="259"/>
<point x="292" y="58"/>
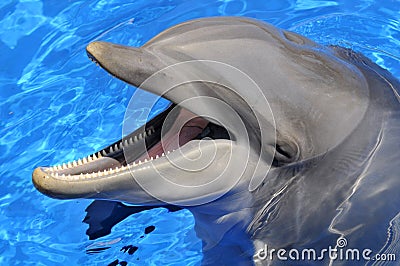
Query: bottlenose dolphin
<point x="271" y="140"/>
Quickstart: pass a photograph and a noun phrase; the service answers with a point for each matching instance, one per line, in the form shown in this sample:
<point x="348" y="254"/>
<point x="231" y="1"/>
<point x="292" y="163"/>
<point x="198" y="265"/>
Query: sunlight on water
<point x="57" y="106"/>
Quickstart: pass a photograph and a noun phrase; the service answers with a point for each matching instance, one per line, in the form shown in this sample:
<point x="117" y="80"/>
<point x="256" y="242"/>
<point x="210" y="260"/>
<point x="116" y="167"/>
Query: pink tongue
<point x="170" y="141"/>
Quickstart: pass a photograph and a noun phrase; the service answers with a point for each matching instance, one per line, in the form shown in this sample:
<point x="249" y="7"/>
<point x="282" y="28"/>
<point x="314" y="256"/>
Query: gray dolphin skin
<point x="304" y="142"/>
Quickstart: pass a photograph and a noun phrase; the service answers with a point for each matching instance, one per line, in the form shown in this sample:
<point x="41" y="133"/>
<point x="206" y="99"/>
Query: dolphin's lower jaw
<point x="108" y="173"/>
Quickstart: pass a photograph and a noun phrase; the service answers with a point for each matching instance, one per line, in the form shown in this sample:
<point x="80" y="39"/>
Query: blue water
<point x="56" y="106"/>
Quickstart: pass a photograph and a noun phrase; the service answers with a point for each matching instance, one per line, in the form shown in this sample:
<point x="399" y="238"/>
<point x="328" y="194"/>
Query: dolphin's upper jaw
<point x="107" y="173"/>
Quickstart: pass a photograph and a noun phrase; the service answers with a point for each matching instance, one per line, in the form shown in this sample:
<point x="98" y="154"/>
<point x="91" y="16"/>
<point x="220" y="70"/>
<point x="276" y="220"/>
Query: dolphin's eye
<point x="285" y="152"/>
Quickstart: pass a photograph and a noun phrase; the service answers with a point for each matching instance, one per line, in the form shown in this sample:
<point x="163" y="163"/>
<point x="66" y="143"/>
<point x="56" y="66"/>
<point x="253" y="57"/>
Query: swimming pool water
<point x="56" y="106"/>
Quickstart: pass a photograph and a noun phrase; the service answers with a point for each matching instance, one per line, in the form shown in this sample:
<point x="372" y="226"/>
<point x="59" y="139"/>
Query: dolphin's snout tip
<point x="93" y="46"/>
<point x="39" y="180"/>
<point x="51" y="187"/>
<point x="94" y="50"/>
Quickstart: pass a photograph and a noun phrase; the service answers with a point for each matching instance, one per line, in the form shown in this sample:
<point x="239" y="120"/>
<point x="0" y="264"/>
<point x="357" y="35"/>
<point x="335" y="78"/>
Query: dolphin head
<point x="246" y="98"/>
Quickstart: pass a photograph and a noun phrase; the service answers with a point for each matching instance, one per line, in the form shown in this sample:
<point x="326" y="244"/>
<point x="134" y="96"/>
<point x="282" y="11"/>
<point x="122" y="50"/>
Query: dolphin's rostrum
<point x="271" y="139"/>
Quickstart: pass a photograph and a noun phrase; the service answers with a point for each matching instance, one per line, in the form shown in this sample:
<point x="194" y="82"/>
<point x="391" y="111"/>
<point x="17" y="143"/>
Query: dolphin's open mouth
<point x="146" y="145"/>
<point x="135" y="168"/>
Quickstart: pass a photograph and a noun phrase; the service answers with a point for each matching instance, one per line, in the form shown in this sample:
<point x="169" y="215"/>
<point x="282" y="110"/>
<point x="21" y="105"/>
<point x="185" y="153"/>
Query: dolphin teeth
<point x="111" y="149"/>
<point x="151" y="158"/>
<point x="157" y="156"/>
<point x="145" y="160"/>
<point x="144" y="134"/>
<point x="63" y="176"/>
<point x="69" y="165"/>
<point x="64" y="166"/>
<point x="116" y="147"/>
<point x="121" y="146"/>
<point x="135" y="139"/>
<point x="163" y="154"/>
<point x="104" y="152"/>
<point x="140" y="136"/>
<point x="74" y="164"/>
<point x="149" y="132"/>
<point x="94" y="156"/>
<point x="140" y="162"/>
<point x="126" y="143"/>
<point x="168" y="152"/>
<point x="89" y="159"/>
<point x="130" y="141"/>
<point x="99" y="155"/>
<point x="84" y="160"/>
<point x="79" y="162"/>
